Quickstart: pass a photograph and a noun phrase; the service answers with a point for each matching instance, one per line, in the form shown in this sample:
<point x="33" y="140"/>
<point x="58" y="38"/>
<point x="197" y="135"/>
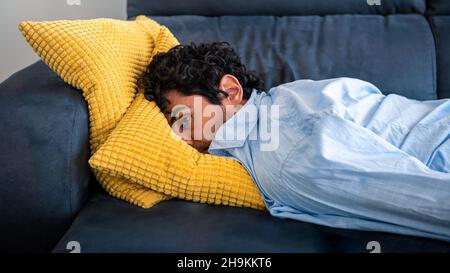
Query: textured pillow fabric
<point x="143" y="149"/>
<point x="103" y="58"/>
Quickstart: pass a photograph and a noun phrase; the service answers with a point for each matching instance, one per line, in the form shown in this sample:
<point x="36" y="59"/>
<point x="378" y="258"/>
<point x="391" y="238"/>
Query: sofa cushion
<point x="436" y="7"/>
<point x="110" y="225"/>
<point x="272" y="7"/>
<point x="441" y="29"/>
<point x="395" y="52"/>
<point x="44" y="155"/>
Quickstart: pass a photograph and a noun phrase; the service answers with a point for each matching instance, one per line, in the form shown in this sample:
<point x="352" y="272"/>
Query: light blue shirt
<point x="342" y="154"/>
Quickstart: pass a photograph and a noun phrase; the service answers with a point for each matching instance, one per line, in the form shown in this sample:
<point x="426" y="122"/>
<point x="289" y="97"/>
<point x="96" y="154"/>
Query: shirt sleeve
<point x="343" y="175"/>
<point x="352" y="99"/>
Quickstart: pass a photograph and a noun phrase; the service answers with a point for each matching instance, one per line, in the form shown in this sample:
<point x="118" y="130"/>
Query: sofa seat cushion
<point x="107" y="224"/>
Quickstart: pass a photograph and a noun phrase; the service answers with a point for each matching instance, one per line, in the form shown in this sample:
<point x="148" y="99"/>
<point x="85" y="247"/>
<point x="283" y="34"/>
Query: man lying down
<point x="333" y="152"/>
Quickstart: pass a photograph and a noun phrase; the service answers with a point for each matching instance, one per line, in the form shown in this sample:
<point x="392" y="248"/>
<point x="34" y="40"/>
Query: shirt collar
<point x="234" y="132"/>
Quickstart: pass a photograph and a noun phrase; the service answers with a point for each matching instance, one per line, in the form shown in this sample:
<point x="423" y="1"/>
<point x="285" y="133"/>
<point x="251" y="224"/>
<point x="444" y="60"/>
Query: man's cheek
<point x="211" y="125"/>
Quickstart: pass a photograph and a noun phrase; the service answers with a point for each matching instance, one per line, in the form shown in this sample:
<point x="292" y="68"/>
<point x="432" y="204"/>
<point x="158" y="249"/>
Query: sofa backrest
<point x="438" y="14"/>
<point x="400" y="46"/>
<point x="272" y="7"/>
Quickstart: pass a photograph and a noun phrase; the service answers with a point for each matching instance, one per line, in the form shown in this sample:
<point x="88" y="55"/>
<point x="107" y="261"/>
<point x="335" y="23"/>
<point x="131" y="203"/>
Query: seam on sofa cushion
<point x="434" y="55"/>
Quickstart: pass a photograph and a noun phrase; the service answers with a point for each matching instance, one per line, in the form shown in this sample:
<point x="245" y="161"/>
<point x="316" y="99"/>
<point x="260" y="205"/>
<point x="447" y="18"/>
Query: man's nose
<point x="189" y="141"/>
<point x="186" y="136"/>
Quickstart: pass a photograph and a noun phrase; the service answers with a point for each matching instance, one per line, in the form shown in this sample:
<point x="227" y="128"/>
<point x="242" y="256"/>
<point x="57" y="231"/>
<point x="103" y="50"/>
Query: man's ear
<point x="230" y="84"/>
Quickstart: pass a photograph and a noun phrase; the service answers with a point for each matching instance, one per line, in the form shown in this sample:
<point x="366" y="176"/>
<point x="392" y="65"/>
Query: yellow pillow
<point x="103" y="58"/>
<point x="143" y="149"/>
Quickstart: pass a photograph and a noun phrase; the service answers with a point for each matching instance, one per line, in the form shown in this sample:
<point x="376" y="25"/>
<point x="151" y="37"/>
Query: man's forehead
<point x="175" y="108"/>
<point x="188" y="102"/>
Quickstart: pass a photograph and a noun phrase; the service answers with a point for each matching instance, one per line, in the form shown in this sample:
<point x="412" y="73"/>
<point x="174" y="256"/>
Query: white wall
<point x="15" y="53"/>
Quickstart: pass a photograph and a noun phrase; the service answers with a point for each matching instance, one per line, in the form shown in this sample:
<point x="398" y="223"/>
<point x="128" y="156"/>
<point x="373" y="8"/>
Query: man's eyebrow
<point x="170" y="111"/>
<point x="172" y="120"/>
<point x="178" y="108"/>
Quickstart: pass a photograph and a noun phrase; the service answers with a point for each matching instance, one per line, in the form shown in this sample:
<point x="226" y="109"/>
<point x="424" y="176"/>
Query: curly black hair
<point x="196" y="70"/>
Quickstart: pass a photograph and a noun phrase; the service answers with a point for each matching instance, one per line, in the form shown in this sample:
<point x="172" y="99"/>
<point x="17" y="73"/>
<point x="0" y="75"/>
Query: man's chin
<point x="203" y="149"/>
<point x="201" y="146"/>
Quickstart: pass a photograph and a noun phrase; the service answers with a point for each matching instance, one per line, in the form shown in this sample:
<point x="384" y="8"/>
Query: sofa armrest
<point x="44" y="144"/>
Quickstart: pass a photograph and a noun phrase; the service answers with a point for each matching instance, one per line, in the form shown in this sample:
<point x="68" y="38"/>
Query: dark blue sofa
<point x="48" y="196"/>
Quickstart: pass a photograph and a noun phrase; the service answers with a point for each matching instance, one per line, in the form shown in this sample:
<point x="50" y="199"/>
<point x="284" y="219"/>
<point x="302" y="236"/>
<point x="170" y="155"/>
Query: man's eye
<point x="185" y="119"/>
<point x="172" y="121"/>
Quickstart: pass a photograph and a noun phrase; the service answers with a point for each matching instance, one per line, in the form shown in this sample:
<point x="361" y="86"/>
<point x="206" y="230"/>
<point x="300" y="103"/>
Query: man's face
<point x="194" y="118"/>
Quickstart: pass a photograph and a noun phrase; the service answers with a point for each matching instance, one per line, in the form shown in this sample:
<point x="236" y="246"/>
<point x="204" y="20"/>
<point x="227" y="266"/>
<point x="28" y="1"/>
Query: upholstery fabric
<point x="108" y="225"/>
<point x="270" y="7"/>
<point x="44" y="173"/>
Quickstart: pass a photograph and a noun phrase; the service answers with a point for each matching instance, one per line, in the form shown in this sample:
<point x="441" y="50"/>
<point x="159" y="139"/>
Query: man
<point x="334" y="152"/>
